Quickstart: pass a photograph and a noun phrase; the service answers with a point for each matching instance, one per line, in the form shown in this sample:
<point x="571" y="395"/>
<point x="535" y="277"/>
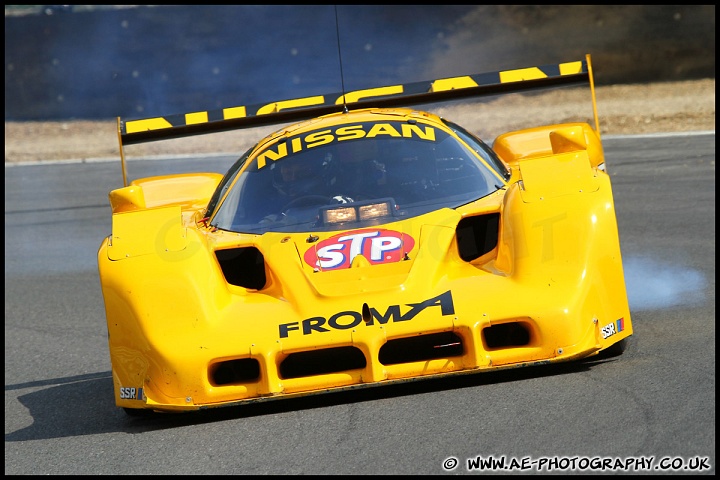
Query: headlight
<point x="375" y="210"/>
<point x="358" y="211"/>
<point x="340" y="215"/>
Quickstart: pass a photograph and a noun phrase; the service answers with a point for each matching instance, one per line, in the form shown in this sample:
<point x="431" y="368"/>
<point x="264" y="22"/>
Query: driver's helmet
<point x="303" y="174"/>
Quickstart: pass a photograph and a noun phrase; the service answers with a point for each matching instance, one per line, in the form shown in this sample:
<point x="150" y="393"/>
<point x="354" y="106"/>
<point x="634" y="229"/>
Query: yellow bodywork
<point x="182" y="337"/>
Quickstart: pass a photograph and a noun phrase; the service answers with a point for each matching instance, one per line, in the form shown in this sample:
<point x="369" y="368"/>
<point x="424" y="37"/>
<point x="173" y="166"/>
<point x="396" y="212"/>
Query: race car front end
<point x="226" y="318"/>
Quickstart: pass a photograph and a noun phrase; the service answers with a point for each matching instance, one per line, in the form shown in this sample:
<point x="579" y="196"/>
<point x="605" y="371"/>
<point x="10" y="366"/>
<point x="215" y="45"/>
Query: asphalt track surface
<point x="656" y="402"/>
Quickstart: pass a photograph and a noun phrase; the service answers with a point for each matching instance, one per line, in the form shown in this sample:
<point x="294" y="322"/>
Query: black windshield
<point x="328" y="179"/>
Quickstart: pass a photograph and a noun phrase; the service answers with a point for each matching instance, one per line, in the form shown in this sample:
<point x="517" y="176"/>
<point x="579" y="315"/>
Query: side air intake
<point x="477" y="235"/>
<point x="244" y="267"/>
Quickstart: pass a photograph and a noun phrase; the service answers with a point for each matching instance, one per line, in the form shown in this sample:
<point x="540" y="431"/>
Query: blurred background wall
<point x="99" y="62"/>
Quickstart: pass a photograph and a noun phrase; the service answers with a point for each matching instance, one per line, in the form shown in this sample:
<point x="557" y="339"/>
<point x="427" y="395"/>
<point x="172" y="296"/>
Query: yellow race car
<point x="367" y="244"/>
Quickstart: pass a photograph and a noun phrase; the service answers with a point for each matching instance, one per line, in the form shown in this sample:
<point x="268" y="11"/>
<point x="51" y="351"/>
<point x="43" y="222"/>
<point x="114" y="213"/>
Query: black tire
<point x="614" y="350"/>
<point x="138" y="412"/>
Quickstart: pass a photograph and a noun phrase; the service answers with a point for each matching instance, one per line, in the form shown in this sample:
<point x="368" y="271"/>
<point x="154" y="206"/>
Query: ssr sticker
<point x="376" y="245"/>
<point x="131" y="393"/>
<point x="612" y="328"/>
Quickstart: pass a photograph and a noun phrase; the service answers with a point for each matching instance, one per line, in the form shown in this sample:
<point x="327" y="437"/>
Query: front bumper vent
<point x="421" y="348"/>
<point x="320" y="362"/>
<point x="506" y="335"/>
<point x="235" y="372"/>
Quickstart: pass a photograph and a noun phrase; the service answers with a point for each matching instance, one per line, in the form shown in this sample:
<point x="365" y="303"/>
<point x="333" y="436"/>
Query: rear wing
<point x="292" y="110"/>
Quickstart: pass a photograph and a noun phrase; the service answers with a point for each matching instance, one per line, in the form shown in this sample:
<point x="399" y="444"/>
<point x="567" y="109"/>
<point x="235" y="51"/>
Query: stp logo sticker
<point x="377" y="246"/>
